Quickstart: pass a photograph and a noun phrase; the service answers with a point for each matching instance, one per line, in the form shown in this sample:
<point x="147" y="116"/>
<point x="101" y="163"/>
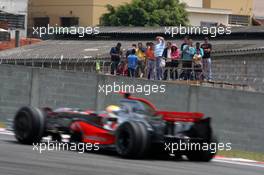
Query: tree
<point x="146" y="13"/>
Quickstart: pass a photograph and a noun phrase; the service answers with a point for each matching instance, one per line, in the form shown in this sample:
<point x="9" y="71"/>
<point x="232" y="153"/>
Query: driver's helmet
<point x="112" y="108"/>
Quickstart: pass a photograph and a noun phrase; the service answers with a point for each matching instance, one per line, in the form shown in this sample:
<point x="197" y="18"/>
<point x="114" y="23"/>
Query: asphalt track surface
<point x="16" y="159"/>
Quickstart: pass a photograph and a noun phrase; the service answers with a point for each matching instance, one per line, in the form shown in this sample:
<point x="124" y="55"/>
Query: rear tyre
<point x="204" y="155"/>
<point x="29" y="125"/>
<point x="132" y="140"/>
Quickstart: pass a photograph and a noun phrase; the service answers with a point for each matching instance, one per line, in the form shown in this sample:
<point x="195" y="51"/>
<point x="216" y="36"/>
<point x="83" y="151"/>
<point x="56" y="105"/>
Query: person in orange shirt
<point x="150" y="56"/>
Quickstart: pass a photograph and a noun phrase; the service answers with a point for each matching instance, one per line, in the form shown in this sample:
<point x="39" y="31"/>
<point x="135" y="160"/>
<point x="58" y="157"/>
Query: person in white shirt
<point x="159" y="48"/>
<point x="167" y="55"/>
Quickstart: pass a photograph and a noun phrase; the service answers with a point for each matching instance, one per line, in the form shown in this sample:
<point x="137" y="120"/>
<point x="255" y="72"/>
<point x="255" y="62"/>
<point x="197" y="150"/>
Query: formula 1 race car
<point x="134" y="128"/>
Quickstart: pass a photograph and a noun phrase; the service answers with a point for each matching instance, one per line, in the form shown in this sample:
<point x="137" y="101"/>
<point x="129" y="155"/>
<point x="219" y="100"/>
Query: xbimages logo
<point x="146" y="89"/>
<point x="186" y="146"/>
<point x="57" y="30"/>
<point x="62" y="146"/>
<point x="196" y="30"/>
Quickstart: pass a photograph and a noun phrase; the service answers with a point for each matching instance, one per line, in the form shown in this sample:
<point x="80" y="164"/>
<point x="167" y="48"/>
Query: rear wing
<point x="169" y="115"/>
<point x="180" y="116"/>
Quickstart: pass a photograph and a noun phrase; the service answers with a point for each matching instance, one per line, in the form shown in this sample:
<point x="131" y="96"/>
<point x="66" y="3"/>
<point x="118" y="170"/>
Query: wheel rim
<point x="22" y="125"/>
<point x="124" y="142"/>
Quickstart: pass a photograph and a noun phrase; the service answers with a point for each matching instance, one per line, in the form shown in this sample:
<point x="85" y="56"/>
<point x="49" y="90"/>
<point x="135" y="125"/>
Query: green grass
<point x="2" y="125"/>
<point x="242" y="154"/>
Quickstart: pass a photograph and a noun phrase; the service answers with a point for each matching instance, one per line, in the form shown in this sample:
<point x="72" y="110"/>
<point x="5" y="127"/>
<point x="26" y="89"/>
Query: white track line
<point x="236" y="159"/>
<point x="239" y="163"/>
<point x="3" y="131"/>
<point x="6" y="133"/>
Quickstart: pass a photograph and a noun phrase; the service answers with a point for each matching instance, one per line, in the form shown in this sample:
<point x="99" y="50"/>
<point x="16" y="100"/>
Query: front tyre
<point x="29" y="125"/>
<point x="132" y="139"/>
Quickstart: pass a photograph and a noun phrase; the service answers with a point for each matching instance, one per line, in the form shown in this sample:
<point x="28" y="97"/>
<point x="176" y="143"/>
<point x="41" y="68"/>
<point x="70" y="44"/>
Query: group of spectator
<point x="160" y="60"/>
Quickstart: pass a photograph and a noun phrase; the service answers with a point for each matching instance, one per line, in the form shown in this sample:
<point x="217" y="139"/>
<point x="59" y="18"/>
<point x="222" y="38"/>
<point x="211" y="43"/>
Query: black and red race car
<point x="134" y="128"/>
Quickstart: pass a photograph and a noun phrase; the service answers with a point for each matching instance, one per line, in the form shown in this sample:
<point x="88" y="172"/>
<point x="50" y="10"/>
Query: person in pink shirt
<point x="175" y="53"/>
<point x="175" y="56"/>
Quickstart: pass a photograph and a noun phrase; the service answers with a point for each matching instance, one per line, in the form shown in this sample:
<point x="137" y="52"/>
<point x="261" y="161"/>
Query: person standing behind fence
<point x="150" y="56"/>
<point x="187" y="56"/>
<point x="185" y="42"/>
<point x="159" y="48"/>
<point x="132" y="63"/>
<point x="197" y="59"/>
<point x="207" y="62"/>
<point x="129" y="51"/>
<point x="175" y="56"/>
<point x="140" y="52"/>
<point x="116" y="55"/>
<point x="167" y="55"/>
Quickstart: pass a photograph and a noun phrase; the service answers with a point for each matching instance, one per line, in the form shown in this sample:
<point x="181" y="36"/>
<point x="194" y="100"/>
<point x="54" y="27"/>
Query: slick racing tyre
<point x="132" y="139"/>
<point x="29" y="125"/>
<point x="204" y="155"/>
